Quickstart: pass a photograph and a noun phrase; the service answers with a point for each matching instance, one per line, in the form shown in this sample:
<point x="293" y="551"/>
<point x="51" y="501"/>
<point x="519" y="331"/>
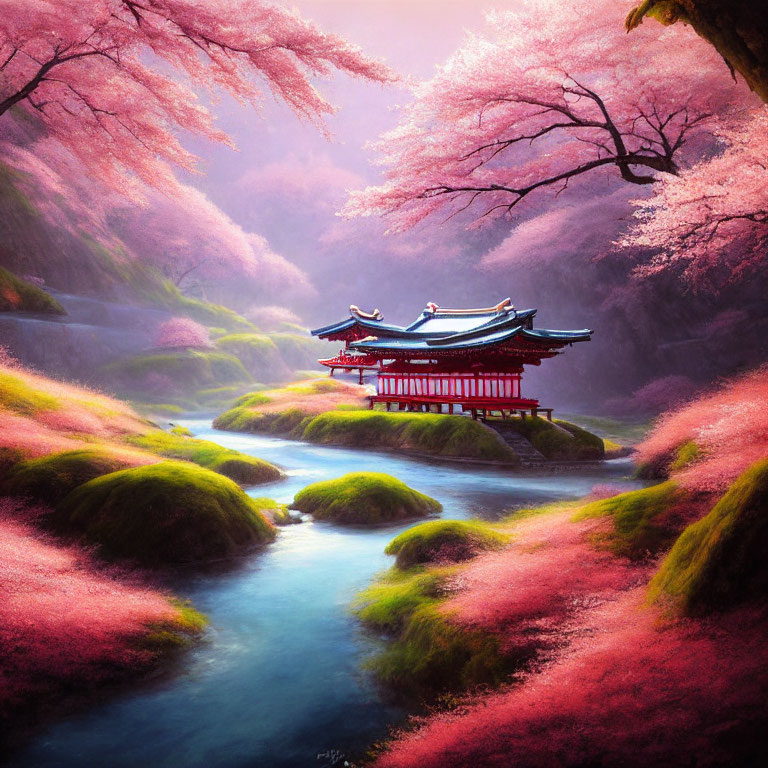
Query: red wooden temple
<point x="466" y="359"/>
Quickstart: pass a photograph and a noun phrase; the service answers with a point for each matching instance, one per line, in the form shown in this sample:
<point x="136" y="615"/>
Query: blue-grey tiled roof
<point x="438" y="330"/>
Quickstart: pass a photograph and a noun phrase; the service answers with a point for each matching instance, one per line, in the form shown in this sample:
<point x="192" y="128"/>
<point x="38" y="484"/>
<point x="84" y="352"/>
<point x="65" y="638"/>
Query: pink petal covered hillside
<point x="66" y="623"/>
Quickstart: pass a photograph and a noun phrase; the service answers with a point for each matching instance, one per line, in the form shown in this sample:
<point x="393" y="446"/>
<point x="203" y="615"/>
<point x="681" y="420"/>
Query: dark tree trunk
<point x="739" y="31"/>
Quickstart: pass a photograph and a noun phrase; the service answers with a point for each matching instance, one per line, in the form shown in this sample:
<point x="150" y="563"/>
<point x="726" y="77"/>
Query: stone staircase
<point x="529" y="456"/>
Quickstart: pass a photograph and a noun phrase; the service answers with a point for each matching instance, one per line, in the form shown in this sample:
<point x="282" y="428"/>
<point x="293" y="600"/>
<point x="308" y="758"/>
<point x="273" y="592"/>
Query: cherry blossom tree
<point x="710" y="223"/>
<point x="182" y="332"/>
<point x="195" y="244"/>
<point x="547" y="96"/>
<point x="738" y="29"/>
<point x="115" y="80"/>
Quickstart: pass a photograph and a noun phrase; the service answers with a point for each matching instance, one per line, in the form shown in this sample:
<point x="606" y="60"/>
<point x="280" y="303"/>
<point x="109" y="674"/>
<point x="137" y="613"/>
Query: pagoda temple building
<point x="448" y="359"/>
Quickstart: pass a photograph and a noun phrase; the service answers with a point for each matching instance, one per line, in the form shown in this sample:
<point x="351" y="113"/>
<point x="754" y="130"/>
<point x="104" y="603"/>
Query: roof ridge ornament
<point x="505" y="305"/>
<point x="375" y="315"/>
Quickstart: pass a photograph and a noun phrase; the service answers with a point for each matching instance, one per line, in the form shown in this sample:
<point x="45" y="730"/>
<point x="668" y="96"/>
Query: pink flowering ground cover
<point x="66" y="624"/>
<point x="548" y="574"/>
<point x="627" y="690"/>
<point x="729" y="427"/>
<point x="39" y="415"/>
<point x="616" y="681"/>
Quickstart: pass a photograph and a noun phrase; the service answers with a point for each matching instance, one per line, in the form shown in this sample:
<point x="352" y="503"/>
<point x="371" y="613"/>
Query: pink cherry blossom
<point x="182" y="332"/>
<point x="116" y="80"/>
<point x="710" y="223"/>
<point x="551" y="93"/>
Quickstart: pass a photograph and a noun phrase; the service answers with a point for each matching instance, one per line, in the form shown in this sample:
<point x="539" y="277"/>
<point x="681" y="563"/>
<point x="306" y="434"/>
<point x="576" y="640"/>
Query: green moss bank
<point x="644" y="522"/>
<point x="364" y="498"/>
<point x="183" y="370"/>
<point x="427" y="652"/>
<point x="434" y="434"/>
<point x="243" y="469"/>
<point x="164" y="514"/>
<point x="443" y="540"/>
<point x="17" y="295"/>
<point x="426" y="433"/>
<point x="52" y="477"/>
<point x="559" y="440"/>
<point x="720" y="560"/>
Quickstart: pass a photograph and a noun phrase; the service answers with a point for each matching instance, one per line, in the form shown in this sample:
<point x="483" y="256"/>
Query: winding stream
<point x="278" y="679"/>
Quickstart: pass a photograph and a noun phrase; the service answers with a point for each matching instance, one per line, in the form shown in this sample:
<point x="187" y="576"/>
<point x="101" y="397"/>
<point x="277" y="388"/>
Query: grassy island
<point x="364" y="498"/>
<point x="443" y="540"/>
<point x="334" y="413"/>
<point x="428" y="433"/>
<point x="164" y="514"/>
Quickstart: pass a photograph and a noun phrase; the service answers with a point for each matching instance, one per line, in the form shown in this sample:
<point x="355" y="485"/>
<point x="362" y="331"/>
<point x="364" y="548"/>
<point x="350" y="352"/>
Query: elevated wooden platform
<point x="479" y="408"/>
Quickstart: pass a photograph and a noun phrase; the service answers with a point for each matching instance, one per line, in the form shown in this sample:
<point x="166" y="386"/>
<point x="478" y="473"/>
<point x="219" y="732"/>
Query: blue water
<point x="278" y="681"/>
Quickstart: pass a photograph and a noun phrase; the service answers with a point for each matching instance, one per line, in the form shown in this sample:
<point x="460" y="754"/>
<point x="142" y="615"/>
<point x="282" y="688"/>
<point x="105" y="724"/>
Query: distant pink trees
<point x="728" y="425"/>
<point x="654" y="397"/>
<point x="114" y="80"/>
<point x="553" y="93"/>
<point x="192" y="241"/>
<point x="182" y="332"/>
<point x="710" y="223"/>
<point x="273" y="318"/>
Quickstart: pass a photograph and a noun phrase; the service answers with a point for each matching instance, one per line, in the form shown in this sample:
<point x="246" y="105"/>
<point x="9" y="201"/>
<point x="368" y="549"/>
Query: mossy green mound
<point x="17" y="295"/>
<point x="299" y="350"/>
<point x="644" y="521"/>
<point x="686" y="455"/>
<point x="364" y="498"/>
<point x="428" y="653"/>
<point x="257" y="352"/>
<point x="559" y="440"/>
<point x="720" y="560"/>
<point x="289" y="422"/>
<point x="164" y="514"/>
<point x="161" y="375"/>
<point x="243" y="469"/>
<point x="443" y="541"/>
<point x="430" y="433"/>
<point x="661" y="465"/>
<point x="52" y="477"/>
